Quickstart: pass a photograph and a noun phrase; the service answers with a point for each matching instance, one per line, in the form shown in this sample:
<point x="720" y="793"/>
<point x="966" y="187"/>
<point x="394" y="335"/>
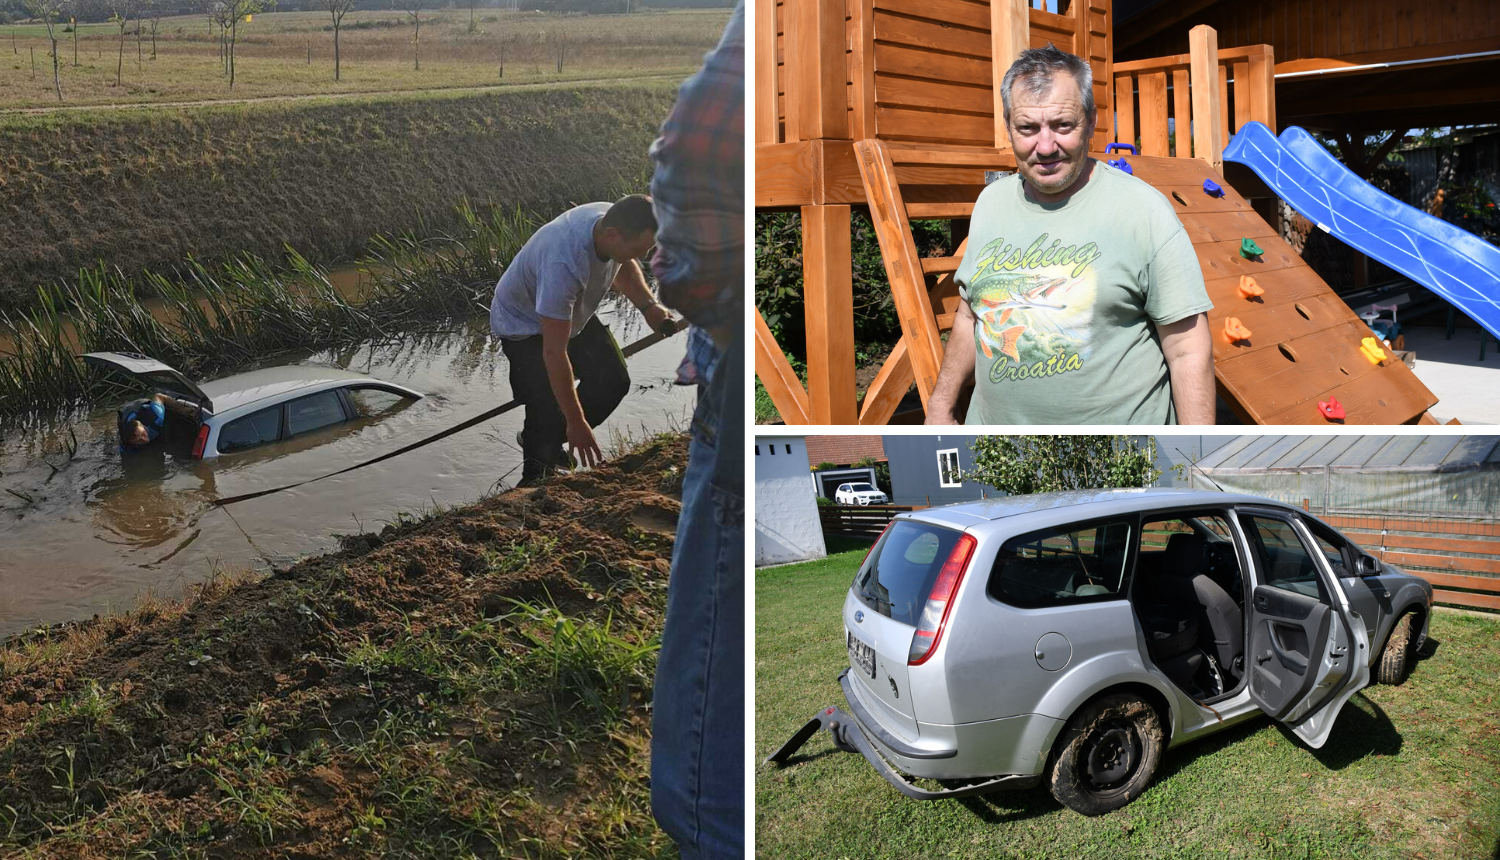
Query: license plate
<point x="862" y="655"/>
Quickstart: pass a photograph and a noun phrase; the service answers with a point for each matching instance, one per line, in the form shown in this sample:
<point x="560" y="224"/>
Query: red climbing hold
<point x="1332" y="408"/>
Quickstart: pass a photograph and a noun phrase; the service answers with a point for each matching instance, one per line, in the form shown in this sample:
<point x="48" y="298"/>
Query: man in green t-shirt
<point x="1081" y="292"/>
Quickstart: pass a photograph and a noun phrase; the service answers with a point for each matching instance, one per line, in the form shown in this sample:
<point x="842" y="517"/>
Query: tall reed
<point x="200" y="319"/>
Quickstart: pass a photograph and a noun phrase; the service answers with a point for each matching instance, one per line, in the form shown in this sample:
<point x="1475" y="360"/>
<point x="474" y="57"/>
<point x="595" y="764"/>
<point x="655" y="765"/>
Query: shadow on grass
<point x="1357" y="734"/>
<point x="1175" y="760"/>
<point x="1016" y="805"/>
<point x="1428" y="649"/>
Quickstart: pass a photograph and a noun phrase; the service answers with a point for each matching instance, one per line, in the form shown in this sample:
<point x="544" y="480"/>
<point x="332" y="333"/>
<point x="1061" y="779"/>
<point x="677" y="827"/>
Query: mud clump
<point x="472" y="683"/>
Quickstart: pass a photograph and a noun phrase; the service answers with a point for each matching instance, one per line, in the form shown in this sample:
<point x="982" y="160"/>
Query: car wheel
<point x="1106" y="755"/>
<point x="1395" y="665"/>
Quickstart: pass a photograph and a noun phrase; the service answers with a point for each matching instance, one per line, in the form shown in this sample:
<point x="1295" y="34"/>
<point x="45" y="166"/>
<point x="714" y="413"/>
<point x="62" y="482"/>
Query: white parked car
<point x="859" y="494"/>
<point x="251" y="409"/>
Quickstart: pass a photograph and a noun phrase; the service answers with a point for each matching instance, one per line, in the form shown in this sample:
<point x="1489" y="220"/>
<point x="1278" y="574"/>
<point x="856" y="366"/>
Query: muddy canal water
<point x="104" y="529"/>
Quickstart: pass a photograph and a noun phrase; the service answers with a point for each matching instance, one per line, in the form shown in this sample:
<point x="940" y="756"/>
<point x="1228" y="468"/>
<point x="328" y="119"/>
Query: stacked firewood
<point x="1294" y="227"/>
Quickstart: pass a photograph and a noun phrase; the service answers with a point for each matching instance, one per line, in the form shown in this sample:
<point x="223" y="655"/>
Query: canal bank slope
<point x="145" y="188"/>
<point x="475" y="681"/>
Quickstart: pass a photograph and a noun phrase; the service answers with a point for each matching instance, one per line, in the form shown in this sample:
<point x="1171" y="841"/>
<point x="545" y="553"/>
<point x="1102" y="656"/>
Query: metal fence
<point x="1469" y="494"/>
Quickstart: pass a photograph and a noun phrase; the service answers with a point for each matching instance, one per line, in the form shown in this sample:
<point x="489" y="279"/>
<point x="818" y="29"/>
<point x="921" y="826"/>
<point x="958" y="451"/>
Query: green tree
<point x="824" y="465"/>
<point x="1019" y="465"/>
<point x="882" y="474"/>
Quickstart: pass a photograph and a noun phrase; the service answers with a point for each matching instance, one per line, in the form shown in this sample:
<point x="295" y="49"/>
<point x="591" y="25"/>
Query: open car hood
<point x="151" y="374"/>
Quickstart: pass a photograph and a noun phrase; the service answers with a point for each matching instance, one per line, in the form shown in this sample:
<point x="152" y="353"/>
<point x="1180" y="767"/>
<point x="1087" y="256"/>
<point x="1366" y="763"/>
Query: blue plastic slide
<point x="1455" y="264"/>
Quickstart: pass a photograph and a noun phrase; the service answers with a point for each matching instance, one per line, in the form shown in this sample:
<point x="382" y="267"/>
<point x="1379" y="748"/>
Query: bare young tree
<point x="49" y="11"/>
<point x="120" y="12"/>
<point x="74" y="8"/>
<point x="230" y="14"/>
<point x="337" y="9"/>
<point x="560" y="49"/>
<point x="154" y="10"/>
<point x="414" y="9"/>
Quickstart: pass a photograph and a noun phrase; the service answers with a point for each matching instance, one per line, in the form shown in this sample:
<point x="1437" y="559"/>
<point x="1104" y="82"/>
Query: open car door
<point x="151" y="374"/>
<point x="1308" y="651"/>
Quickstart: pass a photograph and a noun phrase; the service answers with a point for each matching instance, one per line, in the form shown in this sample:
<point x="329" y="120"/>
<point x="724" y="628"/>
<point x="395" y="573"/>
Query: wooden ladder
<point x="922" y="288"/>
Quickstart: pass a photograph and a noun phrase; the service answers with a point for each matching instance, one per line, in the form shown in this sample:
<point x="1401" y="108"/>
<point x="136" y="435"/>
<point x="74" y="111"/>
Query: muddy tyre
<point x="1106" y="755"/>
<point x="1395" y="659"/>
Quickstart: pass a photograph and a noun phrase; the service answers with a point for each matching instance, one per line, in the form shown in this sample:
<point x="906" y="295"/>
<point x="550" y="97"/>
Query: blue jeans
<point x="698" y="728"/>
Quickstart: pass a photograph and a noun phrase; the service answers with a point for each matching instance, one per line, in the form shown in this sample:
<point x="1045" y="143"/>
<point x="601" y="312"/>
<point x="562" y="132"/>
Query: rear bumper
<point x="864" y="734"/>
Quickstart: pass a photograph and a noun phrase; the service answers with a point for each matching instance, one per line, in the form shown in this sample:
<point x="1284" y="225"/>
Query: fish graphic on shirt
<point x="1000" y="296"/>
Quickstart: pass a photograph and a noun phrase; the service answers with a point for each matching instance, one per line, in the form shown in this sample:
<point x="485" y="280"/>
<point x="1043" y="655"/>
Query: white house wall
<point x="786" y="516"/>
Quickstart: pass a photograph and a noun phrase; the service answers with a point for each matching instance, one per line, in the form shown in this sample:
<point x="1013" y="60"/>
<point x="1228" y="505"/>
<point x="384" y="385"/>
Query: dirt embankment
<point x="472" y="683"/>
<point x="144" y="189"/>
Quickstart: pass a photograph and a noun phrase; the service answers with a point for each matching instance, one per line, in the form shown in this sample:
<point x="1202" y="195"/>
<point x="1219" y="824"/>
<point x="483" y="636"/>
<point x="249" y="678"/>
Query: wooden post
<point x="1208" y="139"/>
<point x="1241" y="93"/>
<point x="1263" y="88"/>
<point x="766" y="122"/>
<point x="1125" y="108"/>
<point x="1010" y="34"/>
<point x="822" y="94"/>
<point x="828" y="299"/>
<point x="1182" y="112"/>
<point x="1153" y="100"/>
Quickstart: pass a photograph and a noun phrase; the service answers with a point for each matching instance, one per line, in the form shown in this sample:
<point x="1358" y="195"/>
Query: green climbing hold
<point x="1248" y="248"/>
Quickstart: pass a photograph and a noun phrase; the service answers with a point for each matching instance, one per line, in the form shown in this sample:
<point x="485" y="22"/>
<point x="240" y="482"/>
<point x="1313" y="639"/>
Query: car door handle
<point x="1287" y="658"/>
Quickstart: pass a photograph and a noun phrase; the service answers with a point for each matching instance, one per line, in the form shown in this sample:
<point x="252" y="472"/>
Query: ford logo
<point x="859" y="616"/>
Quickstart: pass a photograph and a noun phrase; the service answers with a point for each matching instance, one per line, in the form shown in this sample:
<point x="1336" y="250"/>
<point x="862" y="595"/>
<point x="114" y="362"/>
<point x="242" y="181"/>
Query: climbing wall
<point x="1298" y="344"/>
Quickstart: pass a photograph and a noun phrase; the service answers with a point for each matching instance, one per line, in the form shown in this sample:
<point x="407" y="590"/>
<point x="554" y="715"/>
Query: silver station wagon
<point x="1073" y="637"/>
<point x="258" y="407"/>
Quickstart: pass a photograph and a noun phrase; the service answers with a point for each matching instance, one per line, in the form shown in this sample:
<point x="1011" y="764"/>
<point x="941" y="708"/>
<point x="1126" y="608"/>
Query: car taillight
<point x="200" y="442"/>
<point x="939" y="601"/>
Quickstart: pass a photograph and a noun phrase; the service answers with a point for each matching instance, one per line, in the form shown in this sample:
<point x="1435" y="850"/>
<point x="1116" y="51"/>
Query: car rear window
<point x="1069" y="564"/>
<point x="899" y="573"/>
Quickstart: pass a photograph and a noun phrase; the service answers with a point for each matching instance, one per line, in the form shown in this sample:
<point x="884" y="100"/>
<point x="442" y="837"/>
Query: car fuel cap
<point x="1053" y="651"/>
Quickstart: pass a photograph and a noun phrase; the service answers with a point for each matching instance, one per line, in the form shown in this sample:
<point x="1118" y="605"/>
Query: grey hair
<point x="1034" y="70"/>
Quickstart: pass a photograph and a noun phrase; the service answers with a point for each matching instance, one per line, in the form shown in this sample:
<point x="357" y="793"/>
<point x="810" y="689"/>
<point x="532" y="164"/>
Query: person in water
<point x="143" y="421"/>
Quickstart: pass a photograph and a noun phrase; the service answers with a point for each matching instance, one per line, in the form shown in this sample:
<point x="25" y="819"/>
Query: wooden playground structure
<point x="893" y="106"/>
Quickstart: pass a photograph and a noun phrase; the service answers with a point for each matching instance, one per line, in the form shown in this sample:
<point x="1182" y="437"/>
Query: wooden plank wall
<point x="931" y="77"/>
<point x="1303" y="29"/>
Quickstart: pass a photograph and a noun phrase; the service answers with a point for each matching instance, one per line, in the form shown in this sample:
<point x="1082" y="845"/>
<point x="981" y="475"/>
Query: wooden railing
<point x="1158" y="100"/>
<point x="858" y="520"/>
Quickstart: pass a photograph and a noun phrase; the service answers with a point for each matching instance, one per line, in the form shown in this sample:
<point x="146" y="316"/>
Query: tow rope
<point x="649" y="340"/>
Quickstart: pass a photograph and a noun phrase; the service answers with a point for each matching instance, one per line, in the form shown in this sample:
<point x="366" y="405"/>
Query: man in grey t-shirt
<point x="1083" y="301"/>
<point x="544" y="314"/>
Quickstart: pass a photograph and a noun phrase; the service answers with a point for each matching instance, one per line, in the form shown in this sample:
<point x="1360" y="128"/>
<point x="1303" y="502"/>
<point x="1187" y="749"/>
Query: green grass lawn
<point x="1410" y="771"/>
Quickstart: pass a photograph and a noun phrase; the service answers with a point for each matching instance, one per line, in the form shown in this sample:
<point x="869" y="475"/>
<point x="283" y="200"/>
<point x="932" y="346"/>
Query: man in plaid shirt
<point x="697" y="748"/>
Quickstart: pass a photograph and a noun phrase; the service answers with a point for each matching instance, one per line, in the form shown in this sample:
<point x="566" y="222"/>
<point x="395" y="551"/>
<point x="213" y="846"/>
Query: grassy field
<point x="377" y="50"/>
<point x="144" y="188"/>
<point x="472" y="683"/>
<point x="1410" y="771"/>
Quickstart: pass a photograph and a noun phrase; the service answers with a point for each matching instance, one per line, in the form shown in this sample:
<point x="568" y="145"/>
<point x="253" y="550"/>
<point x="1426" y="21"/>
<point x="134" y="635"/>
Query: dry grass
<point x="376" y="47"/>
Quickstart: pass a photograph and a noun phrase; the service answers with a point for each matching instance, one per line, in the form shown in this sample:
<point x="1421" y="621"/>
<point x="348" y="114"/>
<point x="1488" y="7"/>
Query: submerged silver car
<point x="1072" y="637"/>
<point x="258" y="407"/>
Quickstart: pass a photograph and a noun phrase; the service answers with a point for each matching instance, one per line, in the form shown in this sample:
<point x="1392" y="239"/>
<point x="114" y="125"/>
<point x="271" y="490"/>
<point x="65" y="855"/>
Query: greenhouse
<point x="1431" y="475"/>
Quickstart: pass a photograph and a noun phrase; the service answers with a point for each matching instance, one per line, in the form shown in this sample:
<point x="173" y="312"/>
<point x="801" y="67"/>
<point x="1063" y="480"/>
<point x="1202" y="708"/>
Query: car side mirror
<point x="1367" y="565"/>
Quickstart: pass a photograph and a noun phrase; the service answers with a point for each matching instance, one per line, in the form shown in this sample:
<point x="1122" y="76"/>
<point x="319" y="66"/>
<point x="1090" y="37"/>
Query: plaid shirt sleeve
<point x="699" y="189"/>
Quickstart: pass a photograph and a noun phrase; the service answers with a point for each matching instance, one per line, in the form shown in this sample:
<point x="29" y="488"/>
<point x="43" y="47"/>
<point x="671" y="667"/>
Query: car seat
<point x="1185" y="582"/>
